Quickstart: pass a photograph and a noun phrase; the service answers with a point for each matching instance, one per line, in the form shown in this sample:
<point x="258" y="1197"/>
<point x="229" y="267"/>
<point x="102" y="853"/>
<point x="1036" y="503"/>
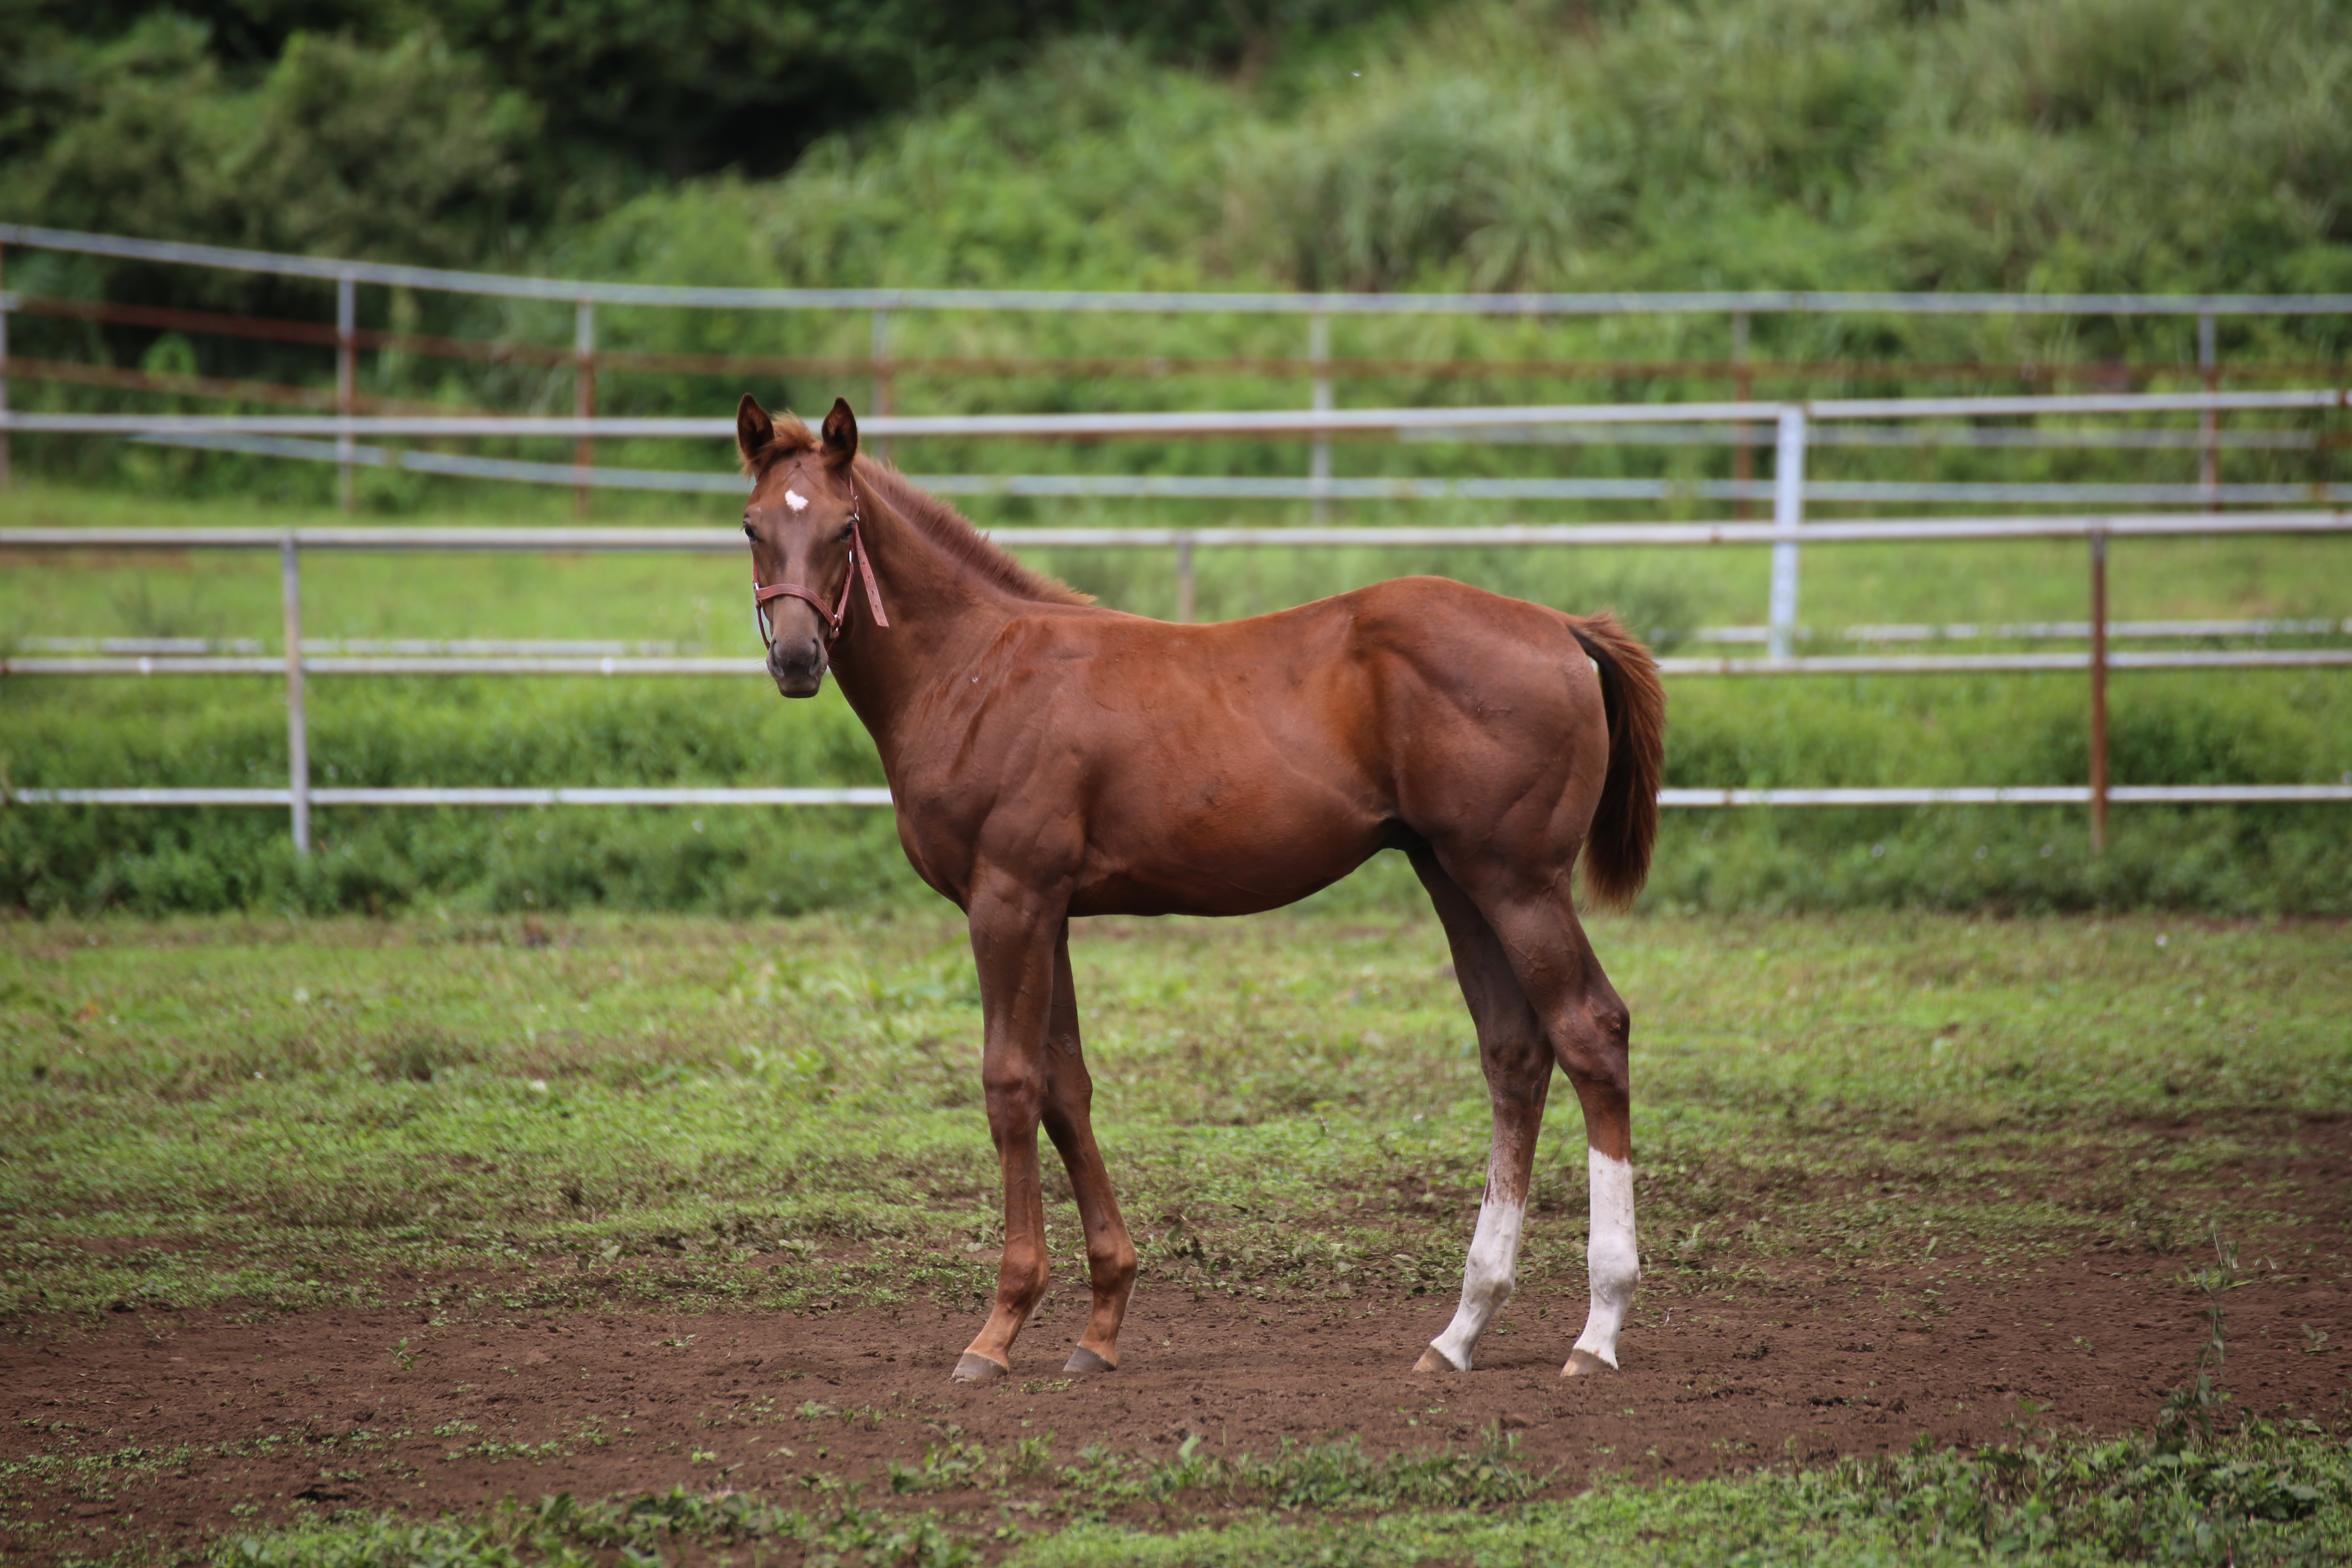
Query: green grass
<point x="2266" y="1496"/>
<point x="298" y="1115"/>
<point x="294" y="1106"/>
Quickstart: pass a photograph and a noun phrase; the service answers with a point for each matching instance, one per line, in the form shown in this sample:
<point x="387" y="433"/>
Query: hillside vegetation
<point x="2033" y="145"/>
<point x="2138" y="144"/>
<point x="2048" y="144"/>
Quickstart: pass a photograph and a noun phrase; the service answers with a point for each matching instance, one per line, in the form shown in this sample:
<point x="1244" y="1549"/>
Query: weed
<point x="2187" y="1418"/>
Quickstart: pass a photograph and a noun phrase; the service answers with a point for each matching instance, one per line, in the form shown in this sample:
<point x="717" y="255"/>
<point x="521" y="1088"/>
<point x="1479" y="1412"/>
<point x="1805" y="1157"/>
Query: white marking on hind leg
<point x="1488" y="1276"/>
<point x="1611" y="1254"/>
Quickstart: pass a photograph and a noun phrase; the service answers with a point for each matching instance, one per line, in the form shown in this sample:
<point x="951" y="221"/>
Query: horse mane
<point x="942" y="523"/>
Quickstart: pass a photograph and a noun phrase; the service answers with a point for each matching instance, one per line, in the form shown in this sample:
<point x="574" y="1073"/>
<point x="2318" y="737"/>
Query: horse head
<point x="803" y="522"/>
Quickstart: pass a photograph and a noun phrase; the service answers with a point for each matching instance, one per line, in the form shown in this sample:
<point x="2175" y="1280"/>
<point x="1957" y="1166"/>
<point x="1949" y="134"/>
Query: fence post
<point x="881" y="376"/>
<point x="1788" y="512"/>
<point x="347" y="386"/>
<point x="1743" y="387"/>
<point x="1318" y="352"/>
<point x="297" y="724"/>
<point x="5" y="301"/>
<point x="2208" y="422"/>
<point x="1184" y="601"/>
<point x="2098" y="691"/>
<point x="584" y="399"/>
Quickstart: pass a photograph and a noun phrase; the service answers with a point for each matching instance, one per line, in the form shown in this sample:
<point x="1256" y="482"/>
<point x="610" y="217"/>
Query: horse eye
<point x="748" y="534"/>
<point x="843" y="537"/>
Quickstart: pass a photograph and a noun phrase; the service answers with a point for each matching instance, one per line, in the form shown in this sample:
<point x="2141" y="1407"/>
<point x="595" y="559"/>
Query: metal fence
<point x="296" y="663"/>
<point x="583" y="357"/>
<point x="345" y="432"/>
<point x="1789" y="489"/>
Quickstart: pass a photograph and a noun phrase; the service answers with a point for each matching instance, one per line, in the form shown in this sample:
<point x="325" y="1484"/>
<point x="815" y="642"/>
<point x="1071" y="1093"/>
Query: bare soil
<point x="1789" y="1363"/>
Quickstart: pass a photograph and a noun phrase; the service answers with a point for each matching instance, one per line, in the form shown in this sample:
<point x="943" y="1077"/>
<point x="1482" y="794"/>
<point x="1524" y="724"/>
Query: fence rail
<point x="295" y="664"/>
<point x="1791" y="426"/>
<point x="690" y="665"/>
<point x="1709" y="302"/>
<point x="1163" y="426"/>
<point x="2017" y="794"/>
<point x="397" y="538"/>
<point x="1191" y="487"/>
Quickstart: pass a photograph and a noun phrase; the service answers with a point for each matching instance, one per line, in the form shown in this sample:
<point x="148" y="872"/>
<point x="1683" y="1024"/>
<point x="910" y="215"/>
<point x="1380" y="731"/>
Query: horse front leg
<point x="1070" y="1121"/>
<point x="1013" y="934"/>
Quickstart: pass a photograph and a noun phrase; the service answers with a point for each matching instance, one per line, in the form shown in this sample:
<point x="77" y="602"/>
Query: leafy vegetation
<point x="2043" y="145"/>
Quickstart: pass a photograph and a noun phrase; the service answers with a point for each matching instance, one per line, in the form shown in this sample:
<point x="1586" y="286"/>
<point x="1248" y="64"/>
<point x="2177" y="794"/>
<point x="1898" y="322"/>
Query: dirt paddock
<point x="251" y="1417"/>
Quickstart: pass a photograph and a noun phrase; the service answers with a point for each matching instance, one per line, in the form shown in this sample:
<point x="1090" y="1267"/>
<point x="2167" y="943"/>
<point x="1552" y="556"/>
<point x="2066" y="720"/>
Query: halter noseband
<point x="859" y="566"/>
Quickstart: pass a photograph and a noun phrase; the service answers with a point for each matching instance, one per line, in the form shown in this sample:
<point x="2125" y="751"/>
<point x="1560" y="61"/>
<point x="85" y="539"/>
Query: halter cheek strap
<point x="860" y="566"/>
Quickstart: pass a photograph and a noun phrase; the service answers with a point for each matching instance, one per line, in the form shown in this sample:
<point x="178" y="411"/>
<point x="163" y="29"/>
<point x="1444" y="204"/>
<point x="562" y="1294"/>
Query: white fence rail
<point x="296" y="662"/>
<point x="2019" y="795"/>
<point x="1257" y="422"/>
<point x="1211" y="486"/>
<point x="1771" y="302"/>
<point x="1792" y="427"/>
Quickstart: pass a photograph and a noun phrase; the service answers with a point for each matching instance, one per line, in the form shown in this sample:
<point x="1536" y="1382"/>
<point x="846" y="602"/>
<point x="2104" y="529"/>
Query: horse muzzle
<point x="797" y="665"/>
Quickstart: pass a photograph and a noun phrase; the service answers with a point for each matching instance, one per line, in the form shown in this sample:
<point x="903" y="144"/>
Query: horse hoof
<point x="977" y="1368"/>
<point x="1085" y="1360"/>
<point x="1434" y="1360"/>
<point x="1584" y="1364"/>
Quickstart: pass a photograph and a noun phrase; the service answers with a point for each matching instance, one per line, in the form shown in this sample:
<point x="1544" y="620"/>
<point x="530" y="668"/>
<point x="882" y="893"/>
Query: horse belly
<point x="1218" y="844"/>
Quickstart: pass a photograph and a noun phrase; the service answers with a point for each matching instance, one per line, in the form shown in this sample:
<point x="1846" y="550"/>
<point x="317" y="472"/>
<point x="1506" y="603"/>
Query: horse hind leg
<point x="1517" y="1061"/>
<point x="1589" y="1030"/>
<point x="1068" y="1117"/>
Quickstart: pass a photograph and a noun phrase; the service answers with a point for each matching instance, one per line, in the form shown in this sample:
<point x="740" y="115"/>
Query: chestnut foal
<point x="1050" y="758"/>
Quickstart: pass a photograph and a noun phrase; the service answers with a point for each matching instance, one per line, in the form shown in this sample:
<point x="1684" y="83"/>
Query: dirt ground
<point x="1805" y="1364"/>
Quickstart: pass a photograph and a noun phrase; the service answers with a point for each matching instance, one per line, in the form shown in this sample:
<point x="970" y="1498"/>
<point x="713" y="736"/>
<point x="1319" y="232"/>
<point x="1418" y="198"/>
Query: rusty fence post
<point x="1184" y="596"/>
<point x="881" y="447"/>
<point x="1318" y="461"/>
<point x="1743" y="388"/>
<point x="347" y="387"/>
<point x="2098" y="691"/>
<point x="583" y="400"/>
<point x="7" y="300"/>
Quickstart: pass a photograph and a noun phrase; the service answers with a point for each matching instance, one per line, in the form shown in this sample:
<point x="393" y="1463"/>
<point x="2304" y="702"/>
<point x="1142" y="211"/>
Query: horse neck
<point x="941" y="612"/>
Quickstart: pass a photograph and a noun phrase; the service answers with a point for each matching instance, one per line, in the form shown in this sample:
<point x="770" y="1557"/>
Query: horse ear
<point x="753" y="428"/>
<point x="840" y="434"/>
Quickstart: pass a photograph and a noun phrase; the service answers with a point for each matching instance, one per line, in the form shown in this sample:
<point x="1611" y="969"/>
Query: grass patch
<point x="497" y="1121"/>
<point x="2262" y="1495"/>
<point x="199" y="1112"/>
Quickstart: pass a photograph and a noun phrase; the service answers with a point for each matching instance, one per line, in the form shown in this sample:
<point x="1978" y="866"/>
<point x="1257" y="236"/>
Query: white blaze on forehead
<point x="797" y="501"/>
<point x="1612" y="1255"/>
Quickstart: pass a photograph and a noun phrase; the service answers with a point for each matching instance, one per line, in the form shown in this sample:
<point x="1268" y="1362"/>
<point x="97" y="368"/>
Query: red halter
<point x="859" y="566"/>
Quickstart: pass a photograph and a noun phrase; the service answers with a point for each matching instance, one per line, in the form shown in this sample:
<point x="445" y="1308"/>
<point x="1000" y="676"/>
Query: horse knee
<point x="1015" y="1096"/>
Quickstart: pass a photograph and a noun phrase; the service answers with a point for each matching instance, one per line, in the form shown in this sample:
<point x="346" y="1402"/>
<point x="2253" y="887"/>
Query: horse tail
<point x="1625" y="827"/>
